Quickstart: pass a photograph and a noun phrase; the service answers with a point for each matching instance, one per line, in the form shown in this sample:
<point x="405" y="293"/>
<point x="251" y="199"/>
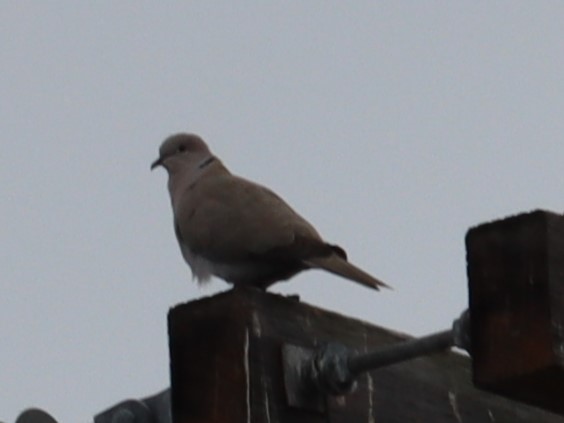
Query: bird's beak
<point x="156" y="163"/>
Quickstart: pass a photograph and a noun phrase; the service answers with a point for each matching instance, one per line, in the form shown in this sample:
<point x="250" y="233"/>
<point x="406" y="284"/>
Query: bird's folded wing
<point x="228" y="218"/>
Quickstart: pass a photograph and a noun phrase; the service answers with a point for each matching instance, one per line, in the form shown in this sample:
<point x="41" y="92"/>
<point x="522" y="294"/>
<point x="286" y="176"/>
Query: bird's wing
<point x="227" y="218"/>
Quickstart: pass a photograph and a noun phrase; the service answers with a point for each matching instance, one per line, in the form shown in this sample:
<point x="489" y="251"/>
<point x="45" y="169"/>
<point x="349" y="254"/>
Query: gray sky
<point x="392" y="126"/>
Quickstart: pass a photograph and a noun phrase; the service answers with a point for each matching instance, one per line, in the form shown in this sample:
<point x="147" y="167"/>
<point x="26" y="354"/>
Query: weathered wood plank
<point x="226" y="367"/>
<point x="516" y="284"/>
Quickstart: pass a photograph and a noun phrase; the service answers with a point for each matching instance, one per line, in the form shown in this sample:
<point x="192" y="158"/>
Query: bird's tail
<point x="338" y="265"/>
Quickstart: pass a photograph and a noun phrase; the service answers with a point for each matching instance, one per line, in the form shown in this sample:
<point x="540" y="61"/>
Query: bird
<point x="238" y="230"/>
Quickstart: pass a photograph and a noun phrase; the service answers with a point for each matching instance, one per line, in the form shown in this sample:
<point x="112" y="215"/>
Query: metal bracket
<point x="299" y="393"/>
<point x="154" y="409"/>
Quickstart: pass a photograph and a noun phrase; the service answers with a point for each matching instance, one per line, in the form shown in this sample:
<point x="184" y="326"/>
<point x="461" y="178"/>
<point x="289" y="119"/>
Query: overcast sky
<point x="392" y="126"/>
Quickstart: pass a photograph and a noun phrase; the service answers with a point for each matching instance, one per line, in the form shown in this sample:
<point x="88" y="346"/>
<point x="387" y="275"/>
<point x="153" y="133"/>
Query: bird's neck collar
<point x="206" y="162"/>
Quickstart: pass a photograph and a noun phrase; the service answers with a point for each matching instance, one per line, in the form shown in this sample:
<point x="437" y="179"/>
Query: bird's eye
<point x="181" y="148"/>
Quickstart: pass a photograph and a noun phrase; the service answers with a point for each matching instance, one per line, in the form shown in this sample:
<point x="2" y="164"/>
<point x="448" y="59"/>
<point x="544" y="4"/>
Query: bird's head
<point x="182" y="152"/>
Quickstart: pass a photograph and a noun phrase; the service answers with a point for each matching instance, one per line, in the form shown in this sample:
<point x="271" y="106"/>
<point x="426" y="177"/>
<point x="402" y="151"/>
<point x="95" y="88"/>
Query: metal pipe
<point x="402" y="351"/>
<point x="333" y="368"/>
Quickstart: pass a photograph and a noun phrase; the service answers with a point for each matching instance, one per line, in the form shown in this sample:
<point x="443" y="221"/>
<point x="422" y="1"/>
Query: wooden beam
<point x="226" y="367"/>
<point x="516" y="284"/>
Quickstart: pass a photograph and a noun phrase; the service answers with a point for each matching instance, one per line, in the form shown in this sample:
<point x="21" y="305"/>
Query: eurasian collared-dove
<point x="237" y="230"/>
